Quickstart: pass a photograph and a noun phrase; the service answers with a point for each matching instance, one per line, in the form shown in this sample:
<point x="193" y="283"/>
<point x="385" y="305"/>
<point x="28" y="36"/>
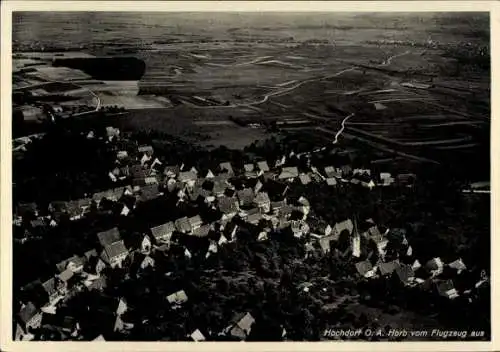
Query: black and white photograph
<point x="251" y="176"/>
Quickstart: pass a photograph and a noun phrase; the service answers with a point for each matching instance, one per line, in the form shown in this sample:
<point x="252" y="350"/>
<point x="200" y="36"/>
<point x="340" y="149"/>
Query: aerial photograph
<point x="251" y="176"/>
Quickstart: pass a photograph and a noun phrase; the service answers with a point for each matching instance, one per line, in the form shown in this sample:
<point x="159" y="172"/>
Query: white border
<point x="219" y="6"/>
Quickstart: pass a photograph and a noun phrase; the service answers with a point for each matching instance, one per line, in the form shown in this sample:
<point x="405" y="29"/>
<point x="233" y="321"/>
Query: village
<point x="215" y="208"/>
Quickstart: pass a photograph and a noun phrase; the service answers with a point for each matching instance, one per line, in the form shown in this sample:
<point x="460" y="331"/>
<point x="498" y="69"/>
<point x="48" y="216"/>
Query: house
<point x="195" y="222"/>
<point x="171" y="171"/>
<point x="458" y="265"/>
<point x="435" y="266"/>
<point x="226" y="167"/>
<point x="320" y="227"/>
<point x="30" y="317"/>
<point x="108" y="237"/>
<point x="182" y="225"/>
<point x="416" y="265"/>
<point x="388" y="268"/>
<point x="187" y="176"/>
<point x="147" y="262"/>
<point x="95" y="265"/>
<point x="173" y="185"/>
<point x="163" y="233"/>
<point x="145" y="181"/>
<point x="447" y="289"/>
<point x="64" y="324"/>
<point x="228" y="205"/>
<point x="361" y="172"/>
<point x="263" y="202"/>
<point x="299" y="228"/>
<point x="325" y="242"/>
<point x="305" y="206"/>
<point x="373" y="233"/>
<point x="368" y="184"/>
<point x="364" y="268"/>
<point x="219" y="187"/>
<point x="258" y="186"/>
<point x="346" y="169"/>
<point x="201" y="231"/>
<point x="332" y="172"/>
<point x="74" y="211"/>
<point x="288" y="173"/>
<point x="222" y="240"/>
<point x="277" y="206"/>
<point x="262" y="236"/>
<point x="177" y="298"/>
<point x="122" y="154"/>
<point x="75" y="264"/>
<point x="50" y="287"/>
<point x="263" y="166"/>
<point x="305" y="179"/>
<point x="209" y="175"/>
<point x="121" y="325"/>
<point x="346" y="225"/>
<point x="254" y="217"/>
<point x="386" y="179"/>
<point x="356" y="245"/>
<point x="212" y="248"/>
<point x="197" y="336"/>
<point x="405" y="273"/>
<point x="111" y="194"/>
<point x="155" y="165"/>
<point x="245" y="196"/>
<point x="241" y="326"/>
<point x="124" y="172"/>
<point x="138" y="171"/>
<point x="145" y="149"/>
<point x="19" y="334"/>
<point x="280" y="161"/>
<point x="65" y="280"/>
<point x="196" y="193"/>
<point x="112" y="132"/>
<point x="330" y="181"/>
<point x="23" y="209"/>
<point x="248" y="167"/>
<point x="230" y="231"/>
<point x="114" y="254"/>
<point x="49" y="309"/>
<point x="146" y="245"/>
<point x="38" y="223"/>
<point x="149" y="192"/>
<point x="125" y="210"/>
<point x="99" y="284"/>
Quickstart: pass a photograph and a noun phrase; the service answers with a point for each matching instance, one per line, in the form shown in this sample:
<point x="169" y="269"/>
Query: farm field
<point x="404" y="91"/>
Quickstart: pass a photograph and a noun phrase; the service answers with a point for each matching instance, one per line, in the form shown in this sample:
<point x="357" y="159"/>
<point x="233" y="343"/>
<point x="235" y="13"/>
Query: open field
<point x="405" y="87"/>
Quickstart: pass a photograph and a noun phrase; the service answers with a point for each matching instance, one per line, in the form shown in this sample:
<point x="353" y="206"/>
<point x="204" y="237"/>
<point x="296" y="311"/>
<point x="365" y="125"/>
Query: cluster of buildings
<point x="255" y="198"/>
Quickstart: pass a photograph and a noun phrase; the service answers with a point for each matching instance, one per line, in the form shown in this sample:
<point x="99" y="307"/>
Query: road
<point x="414" y="144"/>
<point x="40" y="85"/>
<point x="339" y="132"/>
<point x="379" y="146"/>
<point x="389" y="59"/>
<point x="277" y="92"/>
<point x="287" y="89"/>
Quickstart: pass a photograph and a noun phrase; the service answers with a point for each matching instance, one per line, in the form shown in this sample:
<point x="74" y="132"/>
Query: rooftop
<point x="115" y="249"/>
<point x="108" y="237"/>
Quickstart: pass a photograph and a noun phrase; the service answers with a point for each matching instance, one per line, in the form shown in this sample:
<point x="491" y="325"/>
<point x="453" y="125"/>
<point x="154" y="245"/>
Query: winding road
<point x="339" y="132"/>
<point x="389" y="59"/>
<point x="75" y="83"/>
